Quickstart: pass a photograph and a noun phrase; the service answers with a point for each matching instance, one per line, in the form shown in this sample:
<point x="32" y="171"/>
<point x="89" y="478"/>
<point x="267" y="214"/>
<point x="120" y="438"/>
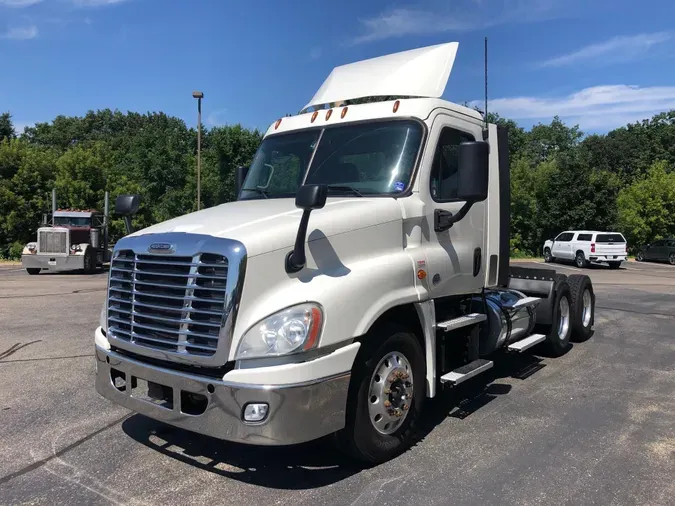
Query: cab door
<point x="455" y="257"/>
<point x="562" y="246"/>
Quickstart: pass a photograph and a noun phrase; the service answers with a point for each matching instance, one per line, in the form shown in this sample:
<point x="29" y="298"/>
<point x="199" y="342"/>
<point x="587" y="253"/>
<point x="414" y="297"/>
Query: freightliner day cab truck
<point x="363" y="266"/>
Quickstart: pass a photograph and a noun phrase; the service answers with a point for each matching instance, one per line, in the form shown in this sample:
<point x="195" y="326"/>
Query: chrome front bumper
<point x="297" y="412"/>
<point x="52" y="263"/>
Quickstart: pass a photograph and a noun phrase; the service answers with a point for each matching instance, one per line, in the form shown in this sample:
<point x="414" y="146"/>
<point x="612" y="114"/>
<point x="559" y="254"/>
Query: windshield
<point x="359" y="159"/>
<point x="71" y="222"/>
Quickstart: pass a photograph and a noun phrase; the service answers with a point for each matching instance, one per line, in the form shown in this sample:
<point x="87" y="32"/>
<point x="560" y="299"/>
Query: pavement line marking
<point x="562" y="266"/>
<point x="40" y="463"/>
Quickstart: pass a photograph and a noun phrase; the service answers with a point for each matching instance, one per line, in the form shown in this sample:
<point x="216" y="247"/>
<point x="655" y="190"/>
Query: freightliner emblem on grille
<point x="161" y="247"/>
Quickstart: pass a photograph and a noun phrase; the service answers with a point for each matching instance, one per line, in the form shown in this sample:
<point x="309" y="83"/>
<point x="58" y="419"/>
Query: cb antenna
<point x="485" y="132"/>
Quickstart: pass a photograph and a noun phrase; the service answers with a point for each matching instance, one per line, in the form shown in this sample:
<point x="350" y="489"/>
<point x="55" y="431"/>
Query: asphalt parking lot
<point x="596" y="426"/>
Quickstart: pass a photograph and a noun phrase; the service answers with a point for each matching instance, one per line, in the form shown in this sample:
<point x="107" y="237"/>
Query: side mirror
<point x="126" y="206"/>
<point x="311" y="196"/>
<point x="239" y="178"/>
<point x="308" y="198"/>
<point x="472" y="173"/>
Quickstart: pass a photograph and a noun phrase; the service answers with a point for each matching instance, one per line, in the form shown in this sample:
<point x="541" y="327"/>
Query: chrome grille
<point x="52" y="241"/>
<point x="168" y="303"/>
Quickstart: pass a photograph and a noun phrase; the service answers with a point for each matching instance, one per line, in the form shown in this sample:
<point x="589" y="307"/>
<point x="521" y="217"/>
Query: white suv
<point x="584" y="247"/>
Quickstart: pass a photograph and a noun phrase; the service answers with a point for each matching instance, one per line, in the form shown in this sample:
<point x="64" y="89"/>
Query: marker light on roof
<point x="314" y="115"/>
<point x="396" y="104"/>
<point x="276" y="125"/>
<point x="328" y="113"/>
<point x="344" y="112"/>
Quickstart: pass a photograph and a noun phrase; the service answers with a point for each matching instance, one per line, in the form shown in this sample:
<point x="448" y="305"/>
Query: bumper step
<point x="461" y="321"/>
<point x="468" y="371"/>
<point x="527" y="343"/>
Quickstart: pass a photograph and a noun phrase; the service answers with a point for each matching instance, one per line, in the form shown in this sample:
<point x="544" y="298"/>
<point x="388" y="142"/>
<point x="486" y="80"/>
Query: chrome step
<point x="461" y="321"/>
<point x="527" y="343"/>
<point x="468" y="371"/>
<point x="522" y="303"/>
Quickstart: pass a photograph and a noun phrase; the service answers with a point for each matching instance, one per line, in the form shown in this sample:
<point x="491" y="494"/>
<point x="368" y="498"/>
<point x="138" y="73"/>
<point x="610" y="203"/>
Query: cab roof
<point x="418" y="76"/>
<point x="73" y="213"/>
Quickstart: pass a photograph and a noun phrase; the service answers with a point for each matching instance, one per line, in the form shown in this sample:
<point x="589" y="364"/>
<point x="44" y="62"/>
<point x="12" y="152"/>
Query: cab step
<point x="527" y="343"/>
<point x="461" y="321"/>
<point x="522" y="303"/>
<point x="468" y="371"/>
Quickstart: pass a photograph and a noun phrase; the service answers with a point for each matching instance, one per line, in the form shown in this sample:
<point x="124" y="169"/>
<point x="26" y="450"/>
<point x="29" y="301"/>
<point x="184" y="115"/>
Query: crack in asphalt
<point x="83" y="290"/>
<point x="668" y="315"/>
<point x="43" y="358"/>
<point x="16" y="347"/>
<point x="42" y="462"/>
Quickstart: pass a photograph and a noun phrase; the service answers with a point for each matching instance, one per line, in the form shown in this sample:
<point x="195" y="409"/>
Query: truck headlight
<point x="292" y="330"/>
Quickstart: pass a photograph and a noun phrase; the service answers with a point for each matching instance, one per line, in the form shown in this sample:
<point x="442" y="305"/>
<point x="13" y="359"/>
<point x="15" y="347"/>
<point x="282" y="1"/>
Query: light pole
<point x="199" y="95"/>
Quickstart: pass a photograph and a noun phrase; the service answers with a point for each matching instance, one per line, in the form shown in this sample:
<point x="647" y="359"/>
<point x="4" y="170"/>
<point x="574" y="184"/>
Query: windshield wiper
<point x="345" y="188"/>
<point x="259" y="190"/>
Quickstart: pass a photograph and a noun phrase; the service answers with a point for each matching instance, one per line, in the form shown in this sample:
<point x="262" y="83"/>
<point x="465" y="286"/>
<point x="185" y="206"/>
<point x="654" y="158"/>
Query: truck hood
<point x="271" y="224"/>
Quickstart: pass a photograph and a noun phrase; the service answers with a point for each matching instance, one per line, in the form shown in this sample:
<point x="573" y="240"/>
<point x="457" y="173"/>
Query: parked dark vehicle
<point x="659" y="251"/>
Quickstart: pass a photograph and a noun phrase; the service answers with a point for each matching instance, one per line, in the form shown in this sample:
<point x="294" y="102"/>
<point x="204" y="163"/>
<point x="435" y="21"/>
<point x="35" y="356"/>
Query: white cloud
<point x="315" y="53"/>
<point x="217" y="118"/>
<point x="616" y="49"/>
<point x="596" y="108"/>
<point x="96" y="3"/>
<point x="19" y="3"/>
<point x="464" y="15"/>
<point x="21" y="33"/>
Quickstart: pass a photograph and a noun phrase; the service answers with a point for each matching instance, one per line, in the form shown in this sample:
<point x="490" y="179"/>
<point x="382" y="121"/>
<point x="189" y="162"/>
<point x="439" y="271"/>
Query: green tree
<point x="646" y="208"/>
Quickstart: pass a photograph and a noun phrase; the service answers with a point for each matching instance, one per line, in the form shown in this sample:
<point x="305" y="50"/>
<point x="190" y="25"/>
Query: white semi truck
<point x="363" y="266"/>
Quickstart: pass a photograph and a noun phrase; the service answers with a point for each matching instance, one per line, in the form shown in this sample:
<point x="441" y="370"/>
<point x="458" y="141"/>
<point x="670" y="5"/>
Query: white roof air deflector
<point x="422" y="72"/>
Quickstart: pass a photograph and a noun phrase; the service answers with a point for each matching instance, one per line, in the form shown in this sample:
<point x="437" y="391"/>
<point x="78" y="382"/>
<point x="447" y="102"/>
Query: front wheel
<point x="548" y="258"/>
<point x="386" y="394"/>
<point x="671" y="259"/>
<point x="640" y="256"/>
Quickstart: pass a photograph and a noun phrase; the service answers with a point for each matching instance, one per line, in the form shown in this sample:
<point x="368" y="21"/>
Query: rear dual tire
<point x="582" y="306"/>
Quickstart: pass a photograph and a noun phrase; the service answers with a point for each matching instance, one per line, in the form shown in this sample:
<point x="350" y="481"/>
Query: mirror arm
<point x="295" y="259"/>
<point x="444" y="220"/>
<point x="128" y="225"/>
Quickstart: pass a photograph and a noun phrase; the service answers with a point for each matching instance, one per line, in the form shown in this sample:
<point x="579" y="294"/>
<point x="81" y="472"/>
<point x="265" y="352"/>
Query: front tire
<point x="89" y="262"/>
<point x="671" y="259"/>
<point x="548" y="258"/>
<point x="386" y="395"/>
<point x="582" y="307"/>
<point x="33" y="270"/>
<point x="560" y="332"/>
<point x="640" y="256"/>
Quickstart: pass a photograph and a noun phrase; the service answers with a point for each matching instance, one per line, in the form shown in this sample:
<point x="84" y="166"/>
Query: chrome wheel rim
<point x="640" y="257"/>
<point x="390" y="393"/>
<point x="564" y="320"/>
<point x="587" y="309"/>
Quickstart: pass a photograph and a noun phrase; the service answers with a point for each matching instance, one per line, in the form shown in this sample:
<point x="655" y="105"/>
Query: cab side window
<point x="564" y="237"/>
<point x="444" y="166"/>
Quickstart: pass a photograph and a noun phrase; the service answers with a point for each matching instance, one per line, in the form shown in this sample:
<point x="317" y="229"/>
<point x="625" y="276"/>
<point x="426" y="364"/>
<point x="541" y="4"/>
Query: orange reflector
<point x="330" y="111"/>
<point x="276" y="125"/>
<point x="316" y="113"/>
<point x="421" y="274"/>
<point x="396" y="104"/>
<point x="314" y="328"/>
<point x="344" y="112"/>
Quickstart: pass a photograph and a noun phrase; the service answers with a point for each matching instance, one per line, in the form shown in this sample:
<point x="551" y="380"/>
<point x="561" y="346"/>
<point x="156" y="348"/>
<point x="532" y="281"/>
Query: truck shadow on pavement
<point x="317" y="463"/>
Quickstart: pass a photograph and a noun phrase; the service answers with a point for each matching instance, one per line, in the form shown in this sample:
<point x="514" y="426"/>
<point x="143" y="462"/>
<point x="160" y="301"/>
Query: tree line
<point x="560" y="178"/>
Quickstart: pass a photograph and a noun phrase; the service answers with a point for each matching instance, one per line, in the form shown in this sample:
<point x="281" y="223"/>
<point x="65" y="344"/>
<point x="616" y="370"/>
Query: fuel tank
<point x="503" y="326"/>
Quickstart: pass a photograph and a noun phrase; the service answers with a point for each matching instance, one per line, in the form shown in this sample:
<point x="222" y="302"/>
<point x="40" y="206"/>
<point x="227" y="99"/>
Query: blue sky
<point x="596" y="63"/>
